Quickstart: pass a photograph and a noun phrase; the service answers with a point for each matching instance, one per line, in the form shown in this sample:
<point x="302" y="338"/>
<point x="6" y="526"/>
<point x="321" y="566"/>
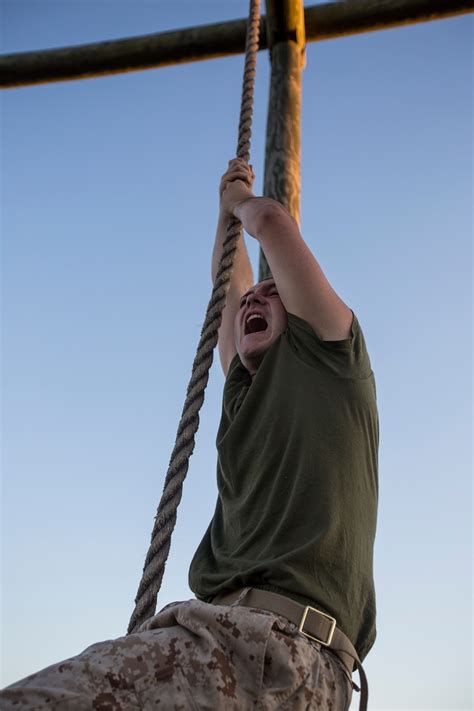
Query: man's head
<point x="259" y="321"/>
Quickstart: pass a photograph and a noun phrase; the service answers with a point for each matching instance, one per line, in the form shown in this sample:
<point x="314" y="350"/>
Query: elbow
<point x="273" y="218"/>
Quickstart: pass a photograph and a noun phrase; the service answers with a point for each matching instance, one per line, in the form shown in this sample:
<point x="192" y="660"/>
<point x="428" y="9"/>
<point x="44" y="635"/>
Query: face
<point x="258" y="323"/>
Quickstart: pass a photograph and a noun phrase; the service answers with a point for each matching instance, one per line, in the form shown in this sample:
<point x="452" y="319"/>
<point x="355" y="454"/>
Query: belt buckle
<point x="332" y="620"/>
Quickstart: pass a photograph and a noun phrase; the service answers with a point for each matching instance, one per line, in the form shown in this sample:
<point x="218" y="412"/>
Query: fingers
<point x="238" y="175"/>
<point x="236" y="163"/>
<point x="225" y="182"/>
<point x="239" y="162"/>
<point x="239" y="170"/>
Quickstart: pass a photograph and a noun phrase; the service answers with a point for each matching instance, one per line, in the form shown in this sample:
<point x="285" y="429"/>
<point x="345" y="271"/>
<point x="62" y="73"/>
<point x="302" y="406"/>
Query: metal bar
<point x="323" y="22"/>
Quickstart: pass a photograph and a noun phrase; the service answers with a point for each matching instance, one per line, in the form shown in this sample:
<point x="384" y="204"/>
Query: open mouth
<point x="255" y="323"/>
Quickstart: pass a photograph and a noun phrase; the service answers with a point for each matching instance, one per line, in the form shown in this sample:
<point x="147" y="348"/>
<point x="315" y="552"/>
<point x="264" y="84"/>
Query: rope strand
<point x="165" y="519"/>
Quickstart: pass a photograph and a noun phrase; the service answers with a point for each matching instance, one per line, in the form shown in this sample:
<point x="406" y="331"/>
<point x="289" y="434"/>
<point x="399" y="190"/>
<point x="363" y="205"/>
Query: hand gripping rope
<point x="165" y="519"/>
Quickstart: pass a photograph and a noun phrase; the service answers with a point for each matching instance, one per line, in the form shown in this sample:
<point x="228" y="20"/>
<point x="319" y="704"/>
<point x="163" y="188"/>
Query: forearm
<point x="242" y="275"/>
<point x="302" y="285"/>
<point x="257" y="214"/>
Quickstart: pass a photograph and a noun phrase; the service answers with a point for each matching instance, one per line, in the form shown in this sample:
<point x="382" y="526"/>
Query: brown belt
<point x="311" y="622"/>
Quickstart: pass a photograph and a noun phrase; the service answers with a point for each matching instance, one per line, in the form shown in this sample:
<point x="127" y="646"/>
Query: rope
<point x="165" y="519"/>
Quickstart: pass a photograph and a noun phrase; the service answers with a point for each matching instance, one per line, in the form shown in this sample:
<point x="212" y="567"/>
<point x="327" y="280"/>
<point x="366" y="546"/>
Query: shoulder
<point x="347" y="357"/>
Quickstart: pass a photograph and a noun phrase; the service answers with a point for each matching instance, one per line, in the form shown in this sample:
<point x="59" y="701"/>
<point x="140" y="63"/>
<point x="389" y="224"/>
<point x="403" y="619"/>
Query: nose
<point x="254" y="298"/>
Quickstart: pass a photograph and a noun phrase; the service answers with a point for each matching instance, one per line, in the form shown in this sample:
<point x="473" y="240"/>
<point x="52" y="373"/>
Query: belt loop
<point x="242" y="596"/>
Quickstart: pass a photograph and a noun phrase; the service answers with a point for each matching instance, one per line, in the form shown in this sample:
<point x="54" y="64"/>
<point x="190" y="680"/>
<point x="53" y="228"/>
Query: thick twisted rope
<point x="165" y="519"/>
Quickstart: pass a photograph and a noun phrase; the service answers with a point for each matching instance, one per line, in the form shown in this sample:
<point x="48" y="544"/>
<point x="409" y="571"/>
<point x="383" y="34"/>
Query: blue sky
<point x="109" y="202"/>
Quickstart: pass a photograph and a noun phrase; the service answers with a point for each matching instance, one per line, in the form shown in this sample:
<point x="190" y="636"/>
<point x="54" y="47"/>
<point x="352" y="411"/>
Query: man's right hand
<point x="236" y="185"/>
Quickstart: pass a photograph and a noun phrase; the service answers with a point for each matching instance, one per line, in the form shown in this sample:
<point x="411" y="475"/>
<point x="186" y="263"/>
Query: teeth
<point x="253" y="316"/>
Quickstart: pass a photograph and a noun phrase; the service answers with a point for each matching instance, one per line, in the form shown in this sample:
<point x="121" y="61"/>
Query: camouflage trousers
<point x="193" y="655"/>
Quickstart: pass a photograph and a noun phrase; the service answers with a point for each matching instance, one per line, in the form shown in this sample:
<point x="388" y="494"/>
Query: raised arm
<point x="242" y="275"/>
<point x="301" y="283"/>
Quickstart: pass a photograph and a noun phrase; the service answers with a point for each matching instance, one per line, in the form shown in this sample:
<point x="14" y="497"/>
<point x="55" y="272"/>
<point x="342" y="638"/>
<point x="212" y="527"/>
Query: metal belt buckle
<point x="326" y="642"/>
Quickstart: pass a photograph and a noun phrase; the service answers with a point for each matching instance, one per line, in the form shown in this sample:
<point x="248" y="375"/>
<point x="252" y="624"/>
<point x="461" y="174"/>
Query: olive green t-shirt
<point x="297" y="480"/>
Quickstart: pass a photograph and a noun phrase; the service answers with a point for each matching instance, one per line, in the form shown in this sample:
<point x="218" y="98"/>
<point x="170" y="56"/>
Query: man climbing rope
<point x="283" y="576"/>
<point x="298" y="440"/>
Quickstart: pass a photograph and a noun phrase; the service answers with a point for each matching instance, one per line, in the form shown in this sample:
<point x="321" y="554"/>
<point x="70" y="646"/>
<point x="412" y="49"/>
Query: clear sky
<point x="109" y="201"/>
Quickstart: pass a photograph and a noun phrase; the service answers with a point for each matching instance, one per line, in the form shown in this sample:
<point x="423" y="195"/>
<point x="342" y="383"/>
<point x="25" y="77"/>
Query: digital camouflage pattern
<point x="193" y="655"/>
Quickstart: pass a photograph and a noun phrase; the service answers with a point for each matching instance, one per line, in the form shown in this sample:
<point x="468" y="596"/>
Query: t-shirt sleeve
<point x="347" y="358"/>
<point x="236" y="385"/>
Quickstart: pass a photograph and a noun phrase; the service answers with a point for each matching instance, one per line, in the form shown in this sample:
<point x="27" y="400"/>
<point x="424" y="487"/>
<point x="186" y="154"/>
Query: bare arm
<point x="302" y="285"/>
<point x="241" y="281"/>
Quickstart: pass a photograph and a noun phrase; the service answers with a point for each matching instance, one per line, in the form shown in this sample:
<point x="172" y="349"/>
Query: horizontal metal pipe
<point x="323" y="22"/>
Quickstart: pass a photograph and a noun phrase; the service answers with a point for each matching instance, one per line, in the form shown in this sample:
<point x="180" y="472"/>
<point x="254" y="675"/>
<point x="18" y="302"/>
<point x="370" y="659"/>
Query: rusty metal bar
<point x="323" y="22"/>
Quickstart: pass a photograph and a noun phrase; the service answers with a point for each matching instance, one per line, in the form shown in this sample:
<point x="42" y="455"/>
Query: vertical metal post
<point x="286" y="41"/>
